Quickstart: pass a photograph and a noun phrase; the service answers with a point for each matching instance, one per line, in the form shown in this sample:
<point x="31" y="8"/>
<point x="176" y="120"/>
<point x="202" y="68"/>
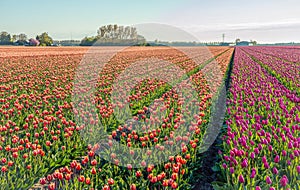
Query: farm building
<point x="243" y="43"/>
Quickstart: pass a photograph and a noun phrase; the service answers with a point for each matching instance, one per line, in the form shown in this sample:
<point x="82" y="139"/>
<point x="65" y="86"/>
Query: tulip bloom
<point x="241" y="179"/>
<point x="268" y="180"/>
<point x="284" y="181"/>
<point x="132" y="187"/>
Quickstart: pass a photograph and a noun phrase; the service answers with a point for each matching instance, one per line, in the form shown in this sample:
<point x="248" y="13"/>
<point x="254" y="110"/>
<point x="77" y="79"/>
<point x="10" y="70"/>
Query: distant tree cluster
<point x="44" y="39"/>
<point x="5" y="38"/>
<point x="114" y="35"/>
<point x="21" y="39"/>
<point x="117" y="32"/>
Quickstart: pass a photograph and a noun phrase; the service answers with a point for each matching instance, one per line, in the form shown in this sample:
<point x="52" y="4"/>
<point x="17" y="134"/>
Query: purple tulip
<point x="266" y="165"/>
<point x="284" y="153"/>
<point x="268" y="180"/>
<point x="241" y="179"/>
<point x="275" y="171"/>
<point x="231" y="170"/>
<point x="284" y="181"/>
<point x="264" y="159"/>
<point x="253" y="173"/>
<point x="276" y="159"/>
<point x="270" y="148"/>
<point x="244" y="164"/>
<point x="252" y="155"/>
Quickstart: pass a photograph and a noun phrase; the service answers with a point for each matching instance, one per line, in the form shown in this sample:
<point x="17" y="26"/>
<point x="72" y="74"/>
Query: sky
<point x="266" y="21"/>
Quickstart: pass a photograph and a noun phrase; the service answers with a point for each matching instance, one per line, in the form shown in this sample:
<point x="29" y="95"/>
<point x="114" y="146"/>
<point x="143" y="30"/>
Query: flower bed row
<point x="261" y="145"/>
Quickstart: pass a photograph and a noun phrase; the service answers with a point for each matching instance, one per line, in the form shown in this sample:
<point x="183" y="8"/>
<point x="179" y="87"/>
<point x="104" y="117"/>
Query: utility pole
<point x="223" y="36"/>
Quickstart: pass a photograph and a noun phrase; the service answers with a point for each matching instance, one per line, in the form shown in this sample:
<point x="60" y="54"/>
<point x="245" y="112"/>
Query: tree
<point x="44" y="39"/>
<point x="14" y="38"/>
<point x="101" y="32"/>
<point x="237" y="40"/>
<point x="120" y="32"/>
<point x="22" y="37"/>
<point x="5" y="38"/>
<point x="254" y="42"/>
<point x="115" y="31"/>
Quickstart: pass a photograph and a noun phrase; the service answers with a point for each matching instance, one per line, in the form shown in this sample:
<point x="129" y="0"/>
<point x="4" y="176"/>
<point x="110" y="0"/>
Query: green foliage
<point x="44" y="39"/>
<point x="88" y="41"/>
<point x="5" y="38"/>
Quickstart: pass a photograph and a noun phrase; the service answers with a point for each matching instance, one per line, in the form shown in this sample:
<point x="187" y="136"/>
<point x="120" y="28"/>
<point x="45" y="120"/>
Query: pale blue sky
<point x="264" y="21"/>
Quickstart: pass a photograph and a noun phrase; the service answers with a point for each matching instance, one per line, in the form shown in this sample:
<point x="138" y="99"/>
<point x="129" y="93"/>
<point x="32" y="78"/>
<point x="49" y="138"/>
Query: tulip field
<point x="47" y="134"/>
<point x="262" y="142"/>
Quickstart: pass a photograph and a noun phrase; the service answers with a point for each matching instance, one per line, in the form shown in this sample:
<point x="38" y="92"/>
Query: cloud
<point x="249" y="26"/>
<point x="264" y="32"/>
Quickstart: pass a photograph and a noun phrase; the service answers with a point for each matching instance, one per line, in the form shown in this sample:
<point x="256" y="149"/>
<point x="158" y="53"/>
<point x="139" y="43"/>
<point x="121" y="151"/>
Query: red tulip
<point x="110" y="181"/>
<point x="81" y="178"/>
<point x="51" y="186"/>
<point x="138" y="173"/>
<point x="4" y="169"/>
<point x="174" y="185"/>
<point x="132" y="187"/>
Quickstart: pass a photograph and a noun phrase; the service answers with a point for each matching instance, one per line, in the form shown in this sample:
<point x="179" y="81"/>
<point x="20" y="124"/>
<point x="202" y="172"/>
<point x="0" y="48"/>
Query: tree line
<point x="106" y="35"/>
<point x="21" y="39"/>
